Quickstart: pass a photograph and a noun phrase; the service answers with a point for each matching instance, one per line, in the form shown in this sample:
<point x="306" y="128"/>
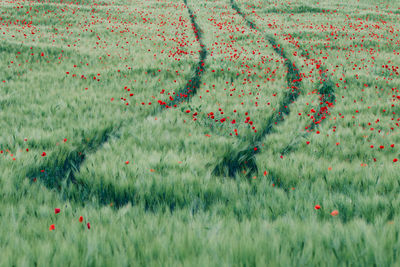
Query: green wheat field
<point x="199" y="133"/>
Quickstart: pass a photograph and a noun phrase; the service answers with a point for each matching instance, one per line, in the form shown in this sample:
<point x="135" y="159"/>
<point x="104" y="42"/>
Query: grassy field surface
<point x="199" y="133"/>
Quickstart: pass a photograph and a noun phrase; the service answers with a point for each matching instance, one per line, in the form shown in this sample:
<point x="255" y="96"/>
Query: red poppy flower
<point x="57" y="210"/>
<point x="334" y="213"/>
<point x="52" y="227"/>
<point x="80" y="219"/>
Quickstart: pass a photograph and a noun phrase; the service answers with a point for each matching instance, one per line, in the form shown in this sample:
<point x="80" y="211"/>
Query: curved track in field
<point x="65" y="170"/>
<point x="245" y="159"/>
<point x="193" y="84"/>
<point x="327" y="97"/>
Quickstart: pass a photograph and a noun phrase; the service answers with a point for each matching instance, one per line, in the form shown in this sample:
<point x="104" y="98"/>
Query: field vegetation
<point x="199" y="133"/>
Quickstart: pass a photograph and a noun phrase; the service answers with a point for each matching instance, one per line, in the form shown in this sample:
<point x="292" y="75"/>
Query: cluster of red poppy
<point x="58" y="210"/>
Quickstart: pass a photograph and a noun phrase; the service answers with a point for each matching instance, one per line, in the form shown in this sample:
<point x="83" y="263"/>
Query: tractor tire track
<point x="327" y="98"/>
<point x="193" y="84"/>
<point x="68" y="163"/>
<point x="66" y="168"/>
<point x="245" y="159"/>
